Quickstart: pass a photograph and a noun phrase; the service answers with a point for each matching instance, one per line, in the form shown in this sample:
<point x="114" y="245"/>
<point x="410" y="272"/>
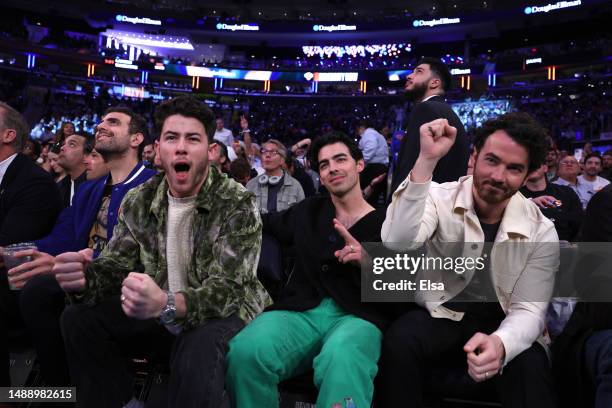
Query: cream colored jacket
<point x="523" y="275"/>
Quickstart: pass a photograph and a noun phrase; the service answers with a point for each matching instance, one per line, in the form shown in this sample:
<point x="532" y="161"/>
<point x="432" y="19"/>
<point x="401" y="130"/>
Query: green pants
<point x="342" y="348"/>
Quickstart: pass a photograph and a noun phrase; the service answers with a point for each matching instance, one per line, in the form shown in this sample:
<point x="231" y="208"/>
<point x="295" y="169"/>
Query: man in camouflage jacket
<point x="179" y="273"/>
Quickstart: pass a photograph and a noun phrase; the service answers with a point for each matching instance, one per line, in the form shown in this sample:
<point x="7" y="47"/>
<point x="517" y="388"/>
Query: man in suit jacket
<point x="426" y="86"/>
<point x="29" y="204"/>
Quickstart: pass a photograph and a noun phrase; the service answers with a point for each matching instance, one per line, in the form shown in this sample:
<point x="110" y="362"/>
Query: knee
<point x="400" y="342"/>
<point x="530" y="362"/>
<point x="39" y="295"/>
<point x="344" y="348"/>
<point x="242" y="352"/>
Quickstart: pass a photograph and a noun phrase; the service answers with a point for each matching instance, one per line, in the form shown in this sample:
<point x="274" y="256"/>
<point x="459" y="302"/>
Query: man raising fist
<point x="489" y="332"/>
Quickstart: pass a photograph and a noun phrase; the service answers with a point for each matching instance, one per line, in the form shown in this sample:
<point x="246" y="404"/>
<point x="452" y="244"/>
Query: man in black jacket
<point x="319" y="320"/>
<point x="426" y="86"/>
<point x="29" y="204"/>
<point x="558" y="203"/>
<point x="582" y="354"/>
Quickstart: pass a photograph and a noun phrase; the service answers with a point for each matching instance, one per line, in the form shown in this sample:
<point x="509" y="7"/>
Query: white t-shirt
<point x="593" y="186"/>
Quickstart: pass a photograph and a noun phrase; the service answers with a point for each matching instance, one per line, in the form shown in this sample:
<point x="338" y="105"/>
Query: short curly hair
<point x="332" y="138"/>
<point x="523" y="129"/>
<point x="187" y="106"/>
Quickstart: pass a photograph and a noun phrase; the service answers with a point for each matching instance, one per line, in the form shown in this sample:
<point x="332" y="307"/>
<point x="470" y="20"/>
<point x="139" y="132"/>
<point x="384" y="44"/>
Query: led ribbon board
<point x="435" y="22"/>
<point x="552" y="7"/>
<point x="461" y="71"/>
<point x="331" y="28"/>
<point x="137" y="20"/>
<point x="533" y="61"/>
<point x="237" y="27"/>
<point x="206" y="72"/>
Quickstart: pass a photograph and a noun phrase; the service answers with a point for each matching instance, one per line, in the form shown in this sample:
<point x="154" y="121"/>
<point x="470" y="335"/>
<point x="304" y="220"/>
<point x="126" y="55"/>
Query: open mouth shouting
<point x="181" y="169"/>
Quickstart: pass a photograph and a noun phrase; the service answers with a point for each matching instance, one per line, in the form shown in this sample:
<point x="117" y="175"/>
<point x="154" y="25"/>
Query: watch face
<point x="167" y="315"/>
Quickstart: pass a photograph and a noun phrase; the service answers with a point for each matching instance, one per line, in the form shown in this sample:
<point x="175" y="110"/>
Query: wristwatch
<point x="168" y="313"/>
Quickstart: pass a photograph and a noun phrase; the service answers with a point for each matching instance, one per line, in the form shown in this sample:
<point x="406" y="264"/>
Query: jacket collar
<point x="14" y="169"/>
<point x="434" y="98"/>
<point x="514" y="220"/>
<point x="159" y="205"/>
<point x="136" y="171"/>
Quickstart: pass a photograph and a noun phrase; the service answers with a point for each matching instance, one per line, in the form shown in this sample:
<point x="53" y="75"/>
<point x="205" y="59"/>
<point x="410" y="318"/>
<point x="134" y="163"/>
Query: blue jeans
<point x="598" y="362"/>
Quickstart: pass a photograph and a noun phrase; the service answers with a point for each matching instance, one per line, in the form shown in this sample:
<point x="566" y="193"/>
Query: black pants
<point x="10" y="318"/>
<point x="417" y="341"/>
<point x="42" y="302"/>
<point x="98" y="338"/>
<point x="368" y="174"/>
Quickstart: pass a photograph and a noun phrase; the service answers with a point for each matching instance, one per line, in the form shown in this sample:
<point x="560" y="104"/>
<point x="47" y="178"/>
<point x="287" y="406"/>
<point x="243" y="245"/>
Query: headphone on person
<point x="272" y="180"/>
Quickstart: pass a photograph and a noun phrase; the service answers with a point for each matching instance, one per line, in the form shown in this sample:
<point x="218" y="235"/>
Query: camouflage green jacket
<point x="222" y="276"/>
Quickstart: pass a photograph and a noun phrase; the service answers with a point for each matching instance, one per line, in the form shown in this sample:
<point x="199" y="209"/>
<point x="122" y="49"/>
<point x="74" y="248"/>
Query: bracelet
<point x="245" y="131"/>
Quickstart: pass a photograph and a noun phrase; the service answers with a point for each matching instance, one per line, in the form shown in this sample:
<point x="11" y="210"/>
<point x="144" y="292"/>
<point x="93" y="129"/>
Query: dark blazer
<point x="450" y="167"/>
<point x="317" y="273"/>
<point x="29" y="202"/>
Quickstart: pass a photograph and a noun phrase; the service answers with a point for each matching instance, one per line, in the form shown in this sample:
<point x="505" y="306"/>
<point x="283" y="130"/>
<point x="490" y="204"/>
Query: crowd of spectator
<point x="263" y="144"/>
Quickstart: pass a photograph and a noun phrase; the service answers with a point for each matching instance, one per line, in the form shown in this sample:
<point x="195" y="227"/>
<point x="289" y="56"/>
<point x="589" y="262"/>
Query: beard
<point x="416" y="93"/>
<point x="109" y="148"/>
<point x="493" y="192"/>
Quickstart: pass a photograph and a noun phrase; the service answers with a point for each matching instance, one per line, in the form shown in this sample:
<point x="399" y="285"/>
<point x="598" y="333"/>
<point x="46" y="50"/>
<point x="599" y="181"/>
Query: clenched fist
<point x="437" y="137"/>
<point x="69" y="269"/>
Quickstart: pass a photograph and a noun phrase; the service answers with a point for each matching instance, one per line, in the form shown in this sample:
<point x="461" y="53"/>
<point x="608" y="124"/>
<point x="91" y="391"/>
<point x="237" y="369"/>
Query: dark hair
<point x="331" y="138"/>
<point x="222" y="148"/>
<point x="189" y="107"/>
<point x="523" y="129"/>
<point x="289" y="158"/>
<point x="137" y="124"/>
<point x="36" y="147"/>
<point x="590" y="155"/>
<point x="364" y="123"/>
<point x="59" y="135"/>
<point x="240" y="168"/>
<point x="439" y="69"/>
<point x="11" y="119"/>
<point x="607" y="153"/>
<point x="89" y="144"/>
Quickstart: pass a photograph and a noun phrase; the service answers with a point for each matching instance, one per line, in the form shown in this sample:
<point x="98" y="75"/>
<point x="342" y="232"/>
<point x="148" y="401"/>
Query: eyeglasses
<point x="567" y="164"/>
<point x="270" y="152"/>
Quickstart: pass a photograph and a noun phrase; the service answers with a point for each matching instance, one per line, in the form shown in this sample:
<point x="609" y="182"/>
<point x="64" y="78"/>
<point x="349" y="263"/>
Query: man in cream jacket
<point x="454" y="323"/>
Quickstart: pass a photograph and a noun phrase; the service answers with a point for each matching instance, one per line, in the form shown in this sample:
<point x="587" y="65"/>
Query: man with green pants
<point x="319" y="321"/>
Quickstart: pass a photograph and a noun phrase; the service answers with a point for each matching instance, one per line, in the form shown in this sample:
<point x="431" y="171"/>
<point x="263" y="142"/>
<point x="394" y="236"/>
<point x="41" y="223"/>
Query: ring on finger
<point x="122" y="298"/>
<point x="486" y="374"/>
<point x="352" y="248"/>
